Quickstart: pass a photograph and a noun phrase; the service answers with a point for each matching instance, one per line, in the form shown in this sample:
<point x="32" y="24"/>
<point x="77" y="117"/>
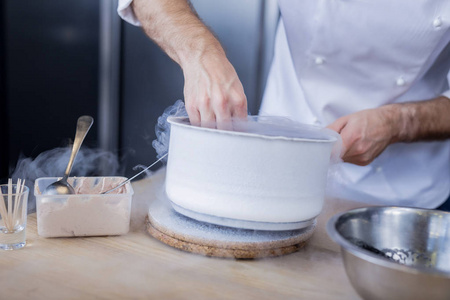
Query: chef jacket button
<point x="319" y="60"/>
<point x="437" y="23"/>
<point x="378" y="169"/>
<point x="400" y="81"/>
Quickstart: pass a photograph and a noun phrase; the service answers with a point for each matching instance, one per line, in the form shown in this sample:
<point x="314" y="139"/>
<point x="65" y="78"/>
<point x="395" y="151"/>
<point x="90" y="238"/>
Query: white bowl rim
<point x="177" y="121"/>
<point x="366" y="255"/>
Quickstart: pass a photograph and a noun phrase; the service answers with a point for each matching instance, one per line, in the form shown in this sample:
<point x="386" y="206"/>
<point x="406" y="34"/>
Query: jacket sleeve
<point x="125" y="11"/>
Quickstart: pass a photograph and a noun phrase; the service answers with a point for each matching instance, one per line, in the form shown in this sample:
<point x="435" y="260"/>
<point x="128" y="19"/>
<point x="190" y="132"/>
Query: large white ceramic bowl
<point x="245" y="176"/>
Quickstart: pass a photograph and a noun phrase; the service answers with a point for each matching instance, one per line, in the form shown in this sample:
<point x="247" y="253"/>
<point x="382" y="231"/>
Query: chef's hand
<point x="365" y="134"/>
<point x="213" y="92"/>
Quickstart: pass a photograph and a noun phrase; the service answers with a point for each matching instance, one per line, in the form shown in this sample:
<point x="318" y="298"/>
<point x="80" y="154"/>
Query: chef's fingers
<point x="339" y="124"/>
<point x="224" y="124"/>
<point x="339" y="127"/>
<point x="194" y="114"/>
<point x="240" y="108"/>
<point x="221" y="107"/>
<point x="223" y="119"/>
<point x="238" y="105"/>
<point x="360" y="159"/>
<point x="354" y="150"/>
<point x="207" y="115"/>
<point x="233" y="107"/>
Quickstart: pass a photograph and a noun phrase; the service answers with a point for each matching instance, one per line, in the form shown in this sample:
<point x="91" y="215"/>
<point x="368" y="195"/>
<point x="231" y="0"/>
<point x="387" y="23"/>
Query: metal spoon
<point x="129" y="179"/>
<point x="62" y="187"/>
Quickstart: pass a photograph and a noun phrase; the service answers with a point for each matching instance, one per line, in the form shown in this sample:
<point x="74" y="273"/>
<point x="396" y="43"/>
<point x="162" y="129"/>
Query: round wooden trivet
<point x="190" y="235"/>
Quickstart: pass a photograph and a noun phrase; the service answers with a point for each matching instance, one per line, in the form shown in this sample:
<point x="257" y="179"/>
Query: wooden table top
<point x="136" y="266"/>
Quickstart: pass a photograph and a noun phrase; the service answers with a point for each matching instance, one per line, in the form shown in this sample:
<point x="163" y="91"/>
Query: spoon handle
<point x="84" y="123"/>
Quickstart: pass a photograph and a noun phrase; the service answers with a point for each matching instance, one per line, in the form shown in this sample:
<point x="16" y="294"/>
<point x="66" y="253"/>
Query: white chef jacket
<point x="334" y="58"/>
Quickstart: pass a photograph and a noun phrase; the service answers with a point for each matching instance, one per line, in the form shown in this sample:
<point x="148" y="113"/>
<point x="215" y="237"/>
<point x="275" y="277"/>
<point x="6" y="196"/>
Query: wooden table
<point x="136" y="266"/>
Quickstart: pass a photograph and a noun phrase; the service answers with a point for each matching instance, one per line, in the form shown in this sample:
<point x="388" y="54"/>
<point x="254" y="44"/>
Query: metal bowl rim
<point x="371" y="257"/>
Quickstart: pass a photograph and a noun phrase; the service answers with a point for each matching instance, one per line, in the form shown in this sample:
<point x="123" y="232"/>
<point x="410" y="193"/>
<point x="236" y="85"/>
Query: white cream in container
<point x="268" y="169"/>
<point x="87" y="213"/>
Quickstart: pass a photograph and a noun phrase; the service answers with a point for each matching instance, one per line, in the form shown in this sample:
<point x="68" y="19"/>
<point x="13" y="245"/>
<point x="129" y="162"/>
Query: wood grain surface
<point x="137" y="266"/>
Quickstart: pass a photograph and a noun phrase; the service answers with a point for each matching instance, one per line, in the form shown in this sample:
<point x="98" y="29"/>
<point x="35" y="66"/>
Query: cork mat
<point x="187" y="234"/>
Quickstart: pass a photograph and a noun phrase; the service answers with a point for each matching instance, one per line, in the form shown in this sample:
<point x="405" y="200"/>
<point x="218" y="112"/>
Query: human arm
<point x="367" y="133"/>
<point x="212" y="89"/>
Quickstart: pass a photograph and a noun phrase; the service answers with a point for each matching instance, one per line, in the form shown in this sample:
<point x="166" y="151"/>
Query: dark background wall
<point x="4" y="139"/>
<point x="57" y="61"/>
<point x="50" y="73"/>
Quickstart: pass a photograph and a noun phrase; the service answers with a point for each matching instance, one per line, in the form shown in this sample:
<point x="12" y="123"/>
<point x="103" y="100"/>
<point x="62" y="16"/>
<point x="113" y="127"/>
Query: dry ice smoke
<point x="53" y="163"/>
<point x="162" y="128"/>
<point x="138" y="168"/>
<point x="264" y="125"/>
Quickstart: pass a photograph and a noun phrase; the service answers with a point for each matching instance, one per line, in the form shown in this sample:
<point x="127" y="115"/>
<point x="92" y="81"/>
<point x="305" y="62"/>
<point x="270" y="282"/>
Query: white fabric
<point x="126" y="12"/>
<point x="333" y="58"/>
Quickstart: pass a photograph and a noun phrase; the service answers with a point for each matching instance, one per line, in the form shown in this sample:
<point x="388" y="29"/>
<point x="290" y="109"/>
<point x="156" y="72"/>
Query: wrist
<point x="203" y="46"/>
<point x="399" y="119"/>
<point x="404" y="116"/>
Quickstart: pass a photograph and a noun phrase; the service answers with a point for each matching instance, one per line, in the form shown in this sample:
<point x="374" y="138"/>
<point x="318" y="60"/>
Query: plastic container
<point x="87" y="213"/>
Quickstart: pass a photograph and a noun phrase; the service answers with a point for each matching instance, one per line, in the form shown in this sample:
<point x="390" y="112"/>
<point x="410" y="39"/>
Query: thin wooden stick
<point x="21" y="198"/>
<point x="10" y="201"/>
<point x="17" y="203"/>
<point x="24" y="207"/>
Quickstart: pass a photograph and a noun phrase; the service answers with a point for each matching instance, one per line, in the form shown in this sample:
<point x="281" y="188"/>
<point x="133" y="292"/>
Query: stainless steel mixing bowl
<point x="395" y="252"/>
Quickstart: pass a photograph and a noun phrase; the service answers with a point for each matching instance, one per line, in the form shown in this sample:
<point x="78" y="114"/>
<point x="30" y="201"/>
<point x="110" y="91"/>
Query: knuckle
<point x="222" y="107"/>
<point x="221" y="102"/>
<point x="240" y="99"/>
<point x="360" y="149"/>
<point x="240" y="105"/>
<point x="205" y="103"/>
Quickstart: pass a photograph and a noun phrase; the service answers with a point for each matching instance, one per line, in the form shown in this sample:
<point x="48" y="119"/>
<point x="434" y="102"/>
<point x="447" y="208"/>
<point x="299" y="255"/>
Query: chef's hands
<point x="213" y="92"/>
<point x="365" y="134"/>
